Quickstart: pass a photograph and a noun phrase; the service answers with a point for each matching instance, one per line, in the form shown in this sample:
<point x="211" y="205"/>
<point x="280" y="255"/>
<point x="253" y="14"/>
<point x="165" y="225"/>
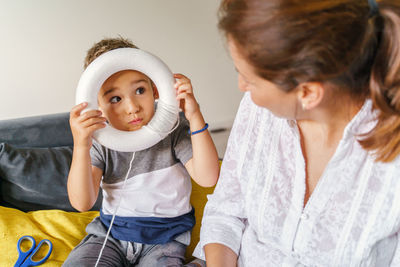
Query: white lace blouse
<point x="351" y="219"/>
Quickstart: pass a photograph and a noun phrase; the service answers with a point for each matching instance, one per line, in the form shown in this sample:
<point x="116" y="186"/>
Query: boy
<point x="153" y="223"/>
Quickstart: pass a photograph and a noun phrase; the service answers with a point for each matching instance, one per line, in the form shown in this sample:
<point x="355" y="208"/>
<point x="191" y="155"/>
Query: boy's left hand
<point x="185" y="96"/>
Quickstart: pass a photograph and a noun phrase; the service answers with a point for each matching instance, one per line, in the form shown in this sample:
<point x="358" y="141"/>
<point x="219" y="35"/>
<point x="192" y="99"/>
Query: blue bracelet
<point x="199" y="131"/>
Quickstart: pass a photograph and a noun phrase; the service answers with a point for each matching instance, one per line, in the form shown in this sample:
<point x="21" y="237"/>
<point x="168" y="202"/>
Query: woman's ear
<point x="155" y="91"/>
<point x="310" y="94"/>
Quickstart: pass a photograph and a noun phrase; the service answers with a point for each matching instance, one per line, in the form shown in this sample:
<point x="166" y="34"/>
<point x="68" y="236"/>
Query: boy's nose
<point x="132" y="107"/>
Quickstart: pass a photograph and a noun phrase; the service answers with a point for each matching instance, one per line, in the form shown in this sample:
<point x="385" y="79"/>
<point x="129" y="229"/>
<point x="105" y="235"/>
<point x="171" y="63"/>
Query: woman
<point x="311" y="175"/>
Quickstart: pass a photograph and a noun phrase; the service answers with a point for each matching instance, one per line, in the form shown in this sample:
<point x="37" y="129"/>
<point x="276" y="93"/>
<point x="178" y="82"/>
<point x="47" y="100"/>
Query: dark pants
<point x="123" y="253"/>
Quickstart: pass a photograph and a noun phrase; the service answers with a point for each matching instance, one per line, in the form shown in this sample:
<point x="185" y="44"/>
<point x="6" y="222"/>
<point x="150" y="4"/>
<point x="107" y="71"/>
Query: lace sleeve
<point x="224" y="215"/>
<point x="396" y="258"/>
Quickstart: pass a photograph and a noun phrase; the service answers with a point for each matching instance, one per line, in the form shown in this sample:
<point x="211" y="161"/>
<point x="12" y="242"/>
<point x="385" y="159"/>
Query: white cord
<point x="167" y="114"/>
<point x="115" y="212"/>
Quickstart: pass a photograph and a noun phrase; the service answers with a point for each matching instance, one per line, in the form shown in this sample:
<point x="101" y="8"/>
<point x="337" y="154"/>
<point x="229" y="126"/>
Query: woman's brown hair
<point x="340" y="42"/>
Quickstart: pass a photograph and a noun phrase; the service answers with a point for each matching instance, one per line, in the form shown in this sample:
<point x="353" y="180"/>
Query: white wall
<point x="43" y="43"/>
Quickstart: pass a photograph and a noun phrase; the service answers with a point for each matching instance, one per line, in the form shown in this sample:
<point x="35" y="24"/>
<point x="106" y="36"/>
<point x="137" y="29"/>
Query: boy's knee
<point x="88" y="251"/>
<point x="170" y="254"/>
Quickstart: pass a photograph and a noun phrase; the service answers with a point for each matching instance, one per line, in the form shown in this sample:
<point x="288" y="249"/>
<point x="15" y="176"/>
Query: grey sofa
<point x="35" y="156"/>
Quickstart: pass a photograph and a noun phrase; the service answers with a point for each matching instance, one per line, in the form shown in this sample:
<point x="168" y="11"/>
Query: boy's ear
<point x="310" y="94"/>
<point x="155" y="91"/>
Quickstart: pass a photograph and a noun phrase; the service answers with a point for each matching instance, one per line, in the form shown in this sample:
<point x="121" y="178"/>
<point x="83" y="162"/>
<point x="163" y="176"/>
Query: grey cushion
<point x="50" y="130"/>
<point x="36" y="178"/>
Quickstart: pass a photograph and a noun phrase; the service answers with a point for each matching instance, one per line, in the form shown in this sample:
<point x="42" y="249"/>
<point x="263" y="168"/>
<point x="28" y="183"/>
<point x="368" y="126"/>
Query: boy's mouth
<point x="136" y="121"/>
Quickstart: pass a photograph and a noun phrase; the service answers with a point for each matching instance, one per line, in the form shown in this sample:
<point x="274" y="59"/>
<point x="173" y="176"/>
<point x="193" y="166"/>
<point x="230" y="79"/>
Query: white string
<point x="167" y="114"/>
<point x="115" y="212"/>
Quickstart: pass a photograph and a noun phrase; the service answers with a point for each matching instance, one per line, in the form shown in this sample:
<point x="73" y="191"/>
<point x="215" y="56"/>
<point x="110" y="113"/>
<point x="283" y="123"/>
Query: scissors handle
<point x="25" y="259"/>
<point x="24" y="254"/>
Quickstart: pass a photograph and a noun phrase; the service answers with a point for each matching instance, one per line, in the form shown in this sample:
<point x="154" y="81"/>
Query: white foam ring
<point x="166" y="115"/>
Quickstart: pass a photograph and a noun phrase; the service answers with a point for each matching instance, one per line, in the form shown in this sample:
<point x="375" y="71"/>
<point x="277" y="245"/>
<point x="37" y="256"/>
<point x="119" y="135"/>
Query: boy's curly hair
<point x="106" y="45"/>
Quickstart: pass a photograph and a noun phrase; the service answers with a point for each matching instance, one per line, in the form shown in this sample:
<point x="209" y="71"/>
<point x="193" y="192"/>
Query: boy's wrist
<point x="196" y="122"/>
<point x="195" y="117"/>
<point x="199" y="131"/>
<point x="82" y="147"/>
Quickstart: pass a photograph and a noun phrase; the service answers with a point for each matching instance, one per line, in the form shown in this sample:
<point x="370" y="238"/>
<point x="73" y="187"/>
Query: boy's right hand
<point x="84" y="125"/>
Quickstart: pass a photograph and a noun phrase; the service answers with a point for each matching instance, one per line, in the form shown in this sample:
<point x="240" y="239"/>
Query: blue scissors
<point x="25" y="258"/>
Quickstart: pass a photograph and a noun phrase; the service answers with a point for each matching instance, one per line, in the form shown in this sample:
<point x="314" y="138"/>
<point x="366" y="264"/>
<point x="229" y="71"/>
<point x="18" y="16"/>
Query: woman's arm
<point x="396" y="257"/>
<point x="219" y="255"/>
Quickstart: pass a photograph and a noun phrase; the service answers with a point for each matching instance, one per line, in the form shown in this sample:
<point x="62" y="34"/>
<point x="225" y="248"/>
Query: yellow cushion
<point x="63" y="229"/>
<point x="198" y="200"/>
<point x="66" y="229"/>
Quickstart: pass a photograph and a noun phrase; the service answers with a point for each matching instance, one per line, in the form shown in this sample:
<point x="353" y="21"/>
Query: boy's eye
<point x="115" y="99"/>
<point x="140" y="91"/>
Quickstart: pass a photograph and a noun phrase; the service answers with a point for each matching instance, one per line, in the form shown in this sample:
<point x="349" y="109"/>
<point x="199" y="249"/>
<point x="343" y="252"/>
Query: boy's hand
<point x="184" y="93"/>
<point x="83" y="125"/>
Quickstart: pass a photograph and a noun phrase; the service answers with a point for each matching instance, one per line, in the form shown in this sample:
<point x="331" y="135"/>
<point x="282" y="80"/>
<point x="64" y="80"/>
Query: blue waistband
<point x="149" y="230"/>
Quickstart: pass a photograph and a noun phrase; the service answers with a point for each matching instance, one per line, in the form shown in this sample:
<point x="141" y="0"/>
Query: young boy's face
<point x="127" y="100"/>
